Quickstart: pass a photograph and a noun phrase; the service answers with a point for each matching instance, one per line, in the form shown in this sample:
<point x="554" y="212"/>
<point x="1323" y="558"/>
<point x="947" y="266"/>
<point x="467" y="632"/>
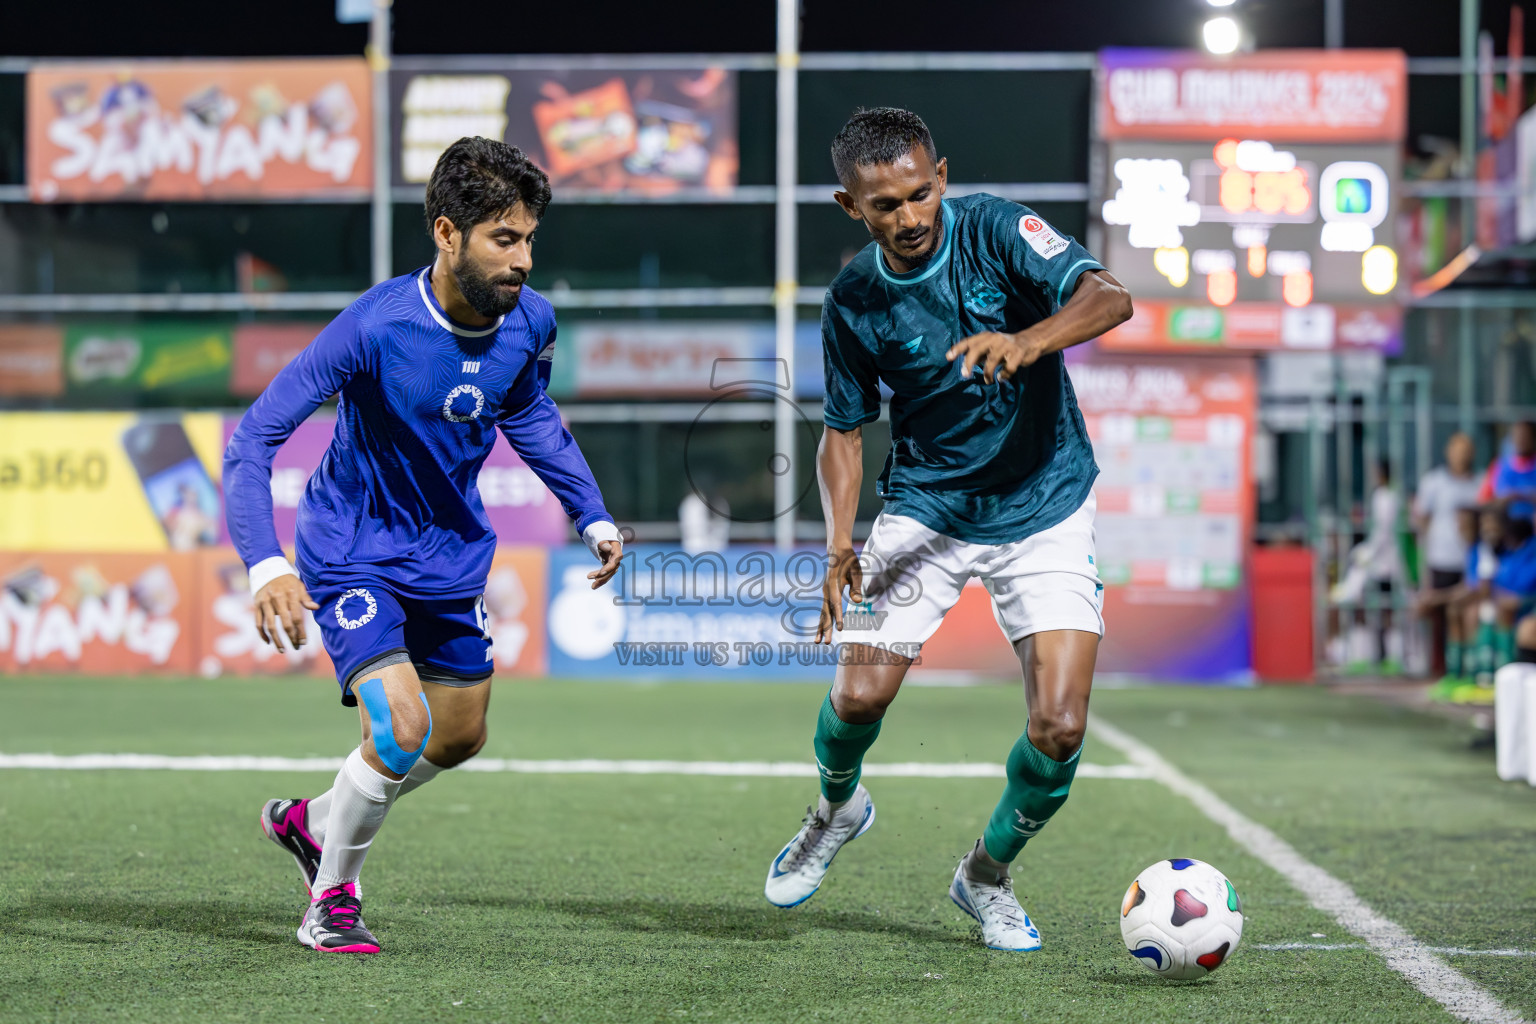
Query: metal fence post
<point x="383" y="234"/>
<point x="786" y="273"/>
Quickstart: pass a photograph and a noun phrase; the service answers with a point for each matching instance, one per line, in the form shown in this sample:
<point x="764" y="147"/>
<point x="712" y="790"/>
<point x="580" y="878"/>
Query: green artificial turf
<point x="152" y="896"/>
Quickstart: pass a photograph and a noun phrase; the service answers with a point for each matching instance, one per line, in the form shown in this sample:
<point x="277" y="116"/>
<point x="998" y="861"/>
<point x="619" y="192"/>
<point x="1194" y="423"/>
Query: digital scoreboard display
<point x="1250" y="202"/>
<point x="1252" y="221"/>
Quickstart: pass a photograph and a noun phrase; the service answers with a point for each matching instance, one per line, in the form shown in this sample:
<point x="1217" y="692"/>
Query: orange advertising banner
<point x="515" y="607"/>
<point x="31" y="360"/>
<point x="229" y="643"/>
<point x="189" y="130"/>
<point x="263" y="349"/>
<point x="117" y="614"/>
<point x="186" y="612"/>
<point x="1353" y="96"/>
<point x="969" y="641"/>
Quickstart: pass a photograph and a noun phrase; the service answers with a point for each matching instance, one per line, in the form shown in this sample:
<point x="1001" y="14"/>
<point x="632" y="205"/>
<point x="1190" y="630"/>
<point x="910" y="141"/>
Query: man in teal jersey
<point x="962" y="307"/>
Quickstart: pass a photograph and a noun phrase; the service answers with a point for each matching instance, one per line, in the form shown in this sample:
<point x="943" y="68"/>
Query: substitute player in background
<point x="393" y="542"/>
<point x="962" y="307"/>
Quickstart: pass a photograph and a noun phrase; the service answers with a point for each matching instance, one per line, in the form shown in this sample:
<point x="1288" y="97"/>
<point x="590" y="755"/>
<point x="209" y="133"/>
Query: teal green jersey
<point x="983" y="463"/>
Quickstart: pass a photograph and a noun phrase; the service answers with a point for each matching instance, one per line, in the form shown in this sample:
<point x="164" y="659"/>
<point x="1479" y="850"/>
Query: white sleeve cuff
<point x="267" y="570"/>
<point x="596" y="533"/>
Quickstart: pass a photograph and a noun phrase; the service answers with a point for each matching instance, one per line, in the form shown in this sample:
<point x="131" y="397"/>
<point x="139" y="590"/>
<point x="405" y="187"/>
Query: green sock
<point x="1037" y="787"/>
<point x="1503" y="646"/>
<point x="840" y="750"/>
<point x="1484" y="658"/>
<point x="1453" y="656"/>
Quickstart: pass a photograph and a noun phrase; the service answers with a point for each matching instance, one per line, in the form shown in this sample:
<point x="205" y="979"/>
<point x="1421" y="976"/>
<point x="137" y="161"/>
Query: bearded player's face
<point x="492" y="261"/>
<point x="899" y="203"/>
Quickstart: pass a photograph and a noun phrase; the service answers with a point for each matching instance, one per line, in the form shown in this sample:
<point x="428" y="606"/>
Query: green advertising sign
<point x="1196" y="323"/>
<point x="163" y="360"/>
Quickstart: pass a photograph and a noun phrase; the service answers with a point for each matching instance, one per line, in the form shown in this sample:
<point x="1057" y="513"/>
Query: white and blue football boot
<point x="796" y="873"/>
<point x="1004" y="924"/>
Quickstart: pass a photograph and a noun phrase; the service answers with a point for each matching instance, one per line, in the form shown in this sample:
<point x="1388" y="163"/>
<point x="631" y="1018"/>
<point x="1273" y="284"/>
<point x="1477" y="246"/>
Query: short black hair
<point x="878" y="135"/>
<point x="477" y="178"/>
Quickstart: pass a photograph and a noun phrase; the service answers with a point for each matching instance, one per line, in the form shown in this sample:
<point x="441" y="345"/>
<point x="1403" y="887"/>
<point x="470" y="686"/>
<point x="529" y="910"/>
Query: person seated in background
<point x="1375" y="572"/>
<point x="1442" y="603"/>
<point x="1446" y="529"/>
<point x="1511" y="478"/>
<point x="1500" y="589"/>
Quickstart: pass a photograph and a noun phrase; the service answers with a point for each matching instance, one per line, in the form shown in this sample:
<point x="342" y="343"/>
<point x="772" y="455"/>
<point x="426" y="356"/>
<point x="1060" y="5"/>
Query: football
<point x="1181" y="919"/>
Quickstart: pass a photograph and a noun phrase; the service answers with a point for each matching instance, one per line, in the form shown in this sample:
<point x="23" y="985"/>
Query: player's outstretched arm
<point x="1098" y="303"/>
<point x="316" y="374"/>
<point x="840" y="474"/>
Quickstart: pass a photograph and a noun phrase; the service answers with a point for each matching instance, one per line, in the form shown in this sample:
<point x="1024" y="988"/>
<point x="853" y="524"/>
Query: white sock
<point x="421" y="773"/>
<point x="317" y="814"/>
<point x="360" y="799"/>
<point x="319" y="809"/>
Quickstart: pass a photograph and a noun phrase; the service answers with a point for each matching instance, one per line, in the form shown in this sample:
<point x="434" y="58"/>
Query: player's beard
<point x="483" y="293"/>
<point x="921" y="259"/>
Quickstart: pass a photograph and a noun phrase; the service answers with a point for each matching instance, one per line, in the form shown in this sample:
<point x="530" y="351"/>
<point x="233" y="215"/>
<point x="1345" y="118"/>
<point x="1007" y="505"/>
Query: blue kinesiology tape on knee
<point x="396" y="760"/>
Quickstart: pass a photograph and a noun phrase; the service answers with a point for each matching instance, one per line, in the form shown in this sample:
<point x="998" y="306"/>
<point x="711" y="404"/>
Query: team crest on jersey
<point x="371" y="609"/>
<point x="984" y="299"/>
<point x="464" y="403"/>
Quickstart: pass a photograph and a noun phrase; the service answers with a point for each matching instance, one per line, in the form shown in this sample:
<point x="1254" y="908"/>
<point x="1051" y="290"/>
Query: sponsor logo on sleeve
<point x="1041" y="237"/>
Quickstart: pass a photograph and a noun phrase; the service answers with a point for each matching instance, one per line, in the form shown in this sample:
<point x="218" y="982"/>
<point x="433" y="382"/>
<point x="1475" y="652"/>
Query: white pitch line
<point x="1281" y="947"/>
<point x="1403" y="953"/>
<point x="585" y="766"/>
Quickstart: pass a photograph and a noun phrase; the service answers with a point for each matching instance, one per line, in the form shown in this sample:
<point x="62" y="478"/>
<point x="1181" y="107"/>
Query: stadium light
<point x="1222" y="35"/>
<point x="1378" y="270"/>
<point x="1220" y="3"/>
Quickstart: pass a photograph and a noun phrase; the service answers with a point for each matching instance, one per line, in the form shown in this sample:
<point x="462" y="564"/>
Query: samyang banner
<point x="128" y="130"/>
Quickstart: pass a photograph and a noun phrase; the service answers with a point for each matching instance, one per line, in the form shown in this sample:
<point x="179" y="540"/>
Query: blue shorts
<point x="367" y="627"/>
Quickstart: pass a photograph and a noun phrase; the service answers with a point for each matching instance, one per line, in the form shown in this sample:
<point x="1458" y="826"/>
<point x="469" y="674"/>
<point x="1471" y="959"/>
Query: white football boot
<point x="1004" y="924"/>
<point x="796" y="873"/>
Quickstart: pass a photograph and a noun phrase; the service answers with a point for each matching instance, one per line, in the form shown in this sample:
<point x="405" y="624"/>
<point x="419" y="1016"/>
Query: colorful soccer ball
<point x="1181" y="918"/>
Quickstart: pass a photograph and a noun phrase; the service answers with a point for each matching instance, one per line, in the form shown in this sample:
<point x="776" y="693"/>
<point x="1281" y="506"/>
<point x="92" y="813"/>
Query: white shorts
<point x="913" y="577"/>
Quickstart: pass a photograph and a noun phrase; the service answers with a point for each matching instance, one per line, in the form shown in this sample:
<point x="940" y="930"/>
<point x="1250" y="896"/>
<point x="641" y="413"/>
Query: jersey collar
<point x="922" y="273"/>
<point x="442" y="318"/>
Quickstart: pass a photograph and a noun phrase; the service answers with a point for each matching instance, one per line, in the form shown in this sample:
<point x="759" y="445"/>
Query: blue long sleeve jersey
<point x="421" y="398"/>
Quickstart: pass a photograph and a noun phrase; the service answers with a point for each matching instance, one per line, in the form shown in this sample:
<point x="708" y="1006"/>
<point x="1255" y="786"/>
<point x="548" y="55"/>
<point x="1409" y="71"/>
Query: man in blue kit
<point x="393" y="543"/>
<point x="962" y="307"/>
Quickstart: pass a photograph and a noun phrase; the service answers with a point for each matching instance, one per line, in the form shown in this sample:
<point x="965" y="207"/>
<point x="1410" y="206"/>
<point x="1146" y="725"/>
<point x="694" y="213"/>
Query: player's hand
<point x="279" y="610"/>
<point x="613" y="554"/>
<point x="843" y="570"/>
<point x="998" y="356"/>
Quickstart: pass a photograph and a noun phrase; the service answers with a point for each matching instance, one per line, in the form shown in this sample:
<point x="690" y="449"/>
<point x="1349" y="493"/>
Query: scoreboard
<point x="1250" y="202"/>
<point x="1245" y="219"/>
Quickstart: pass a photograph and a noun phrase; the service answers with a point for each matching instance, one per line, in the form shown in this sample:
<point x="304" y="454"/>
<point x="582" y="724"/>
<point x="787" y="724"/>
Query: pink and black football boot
<point x="283" y="821"/>
<point x="334" y="923"/>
